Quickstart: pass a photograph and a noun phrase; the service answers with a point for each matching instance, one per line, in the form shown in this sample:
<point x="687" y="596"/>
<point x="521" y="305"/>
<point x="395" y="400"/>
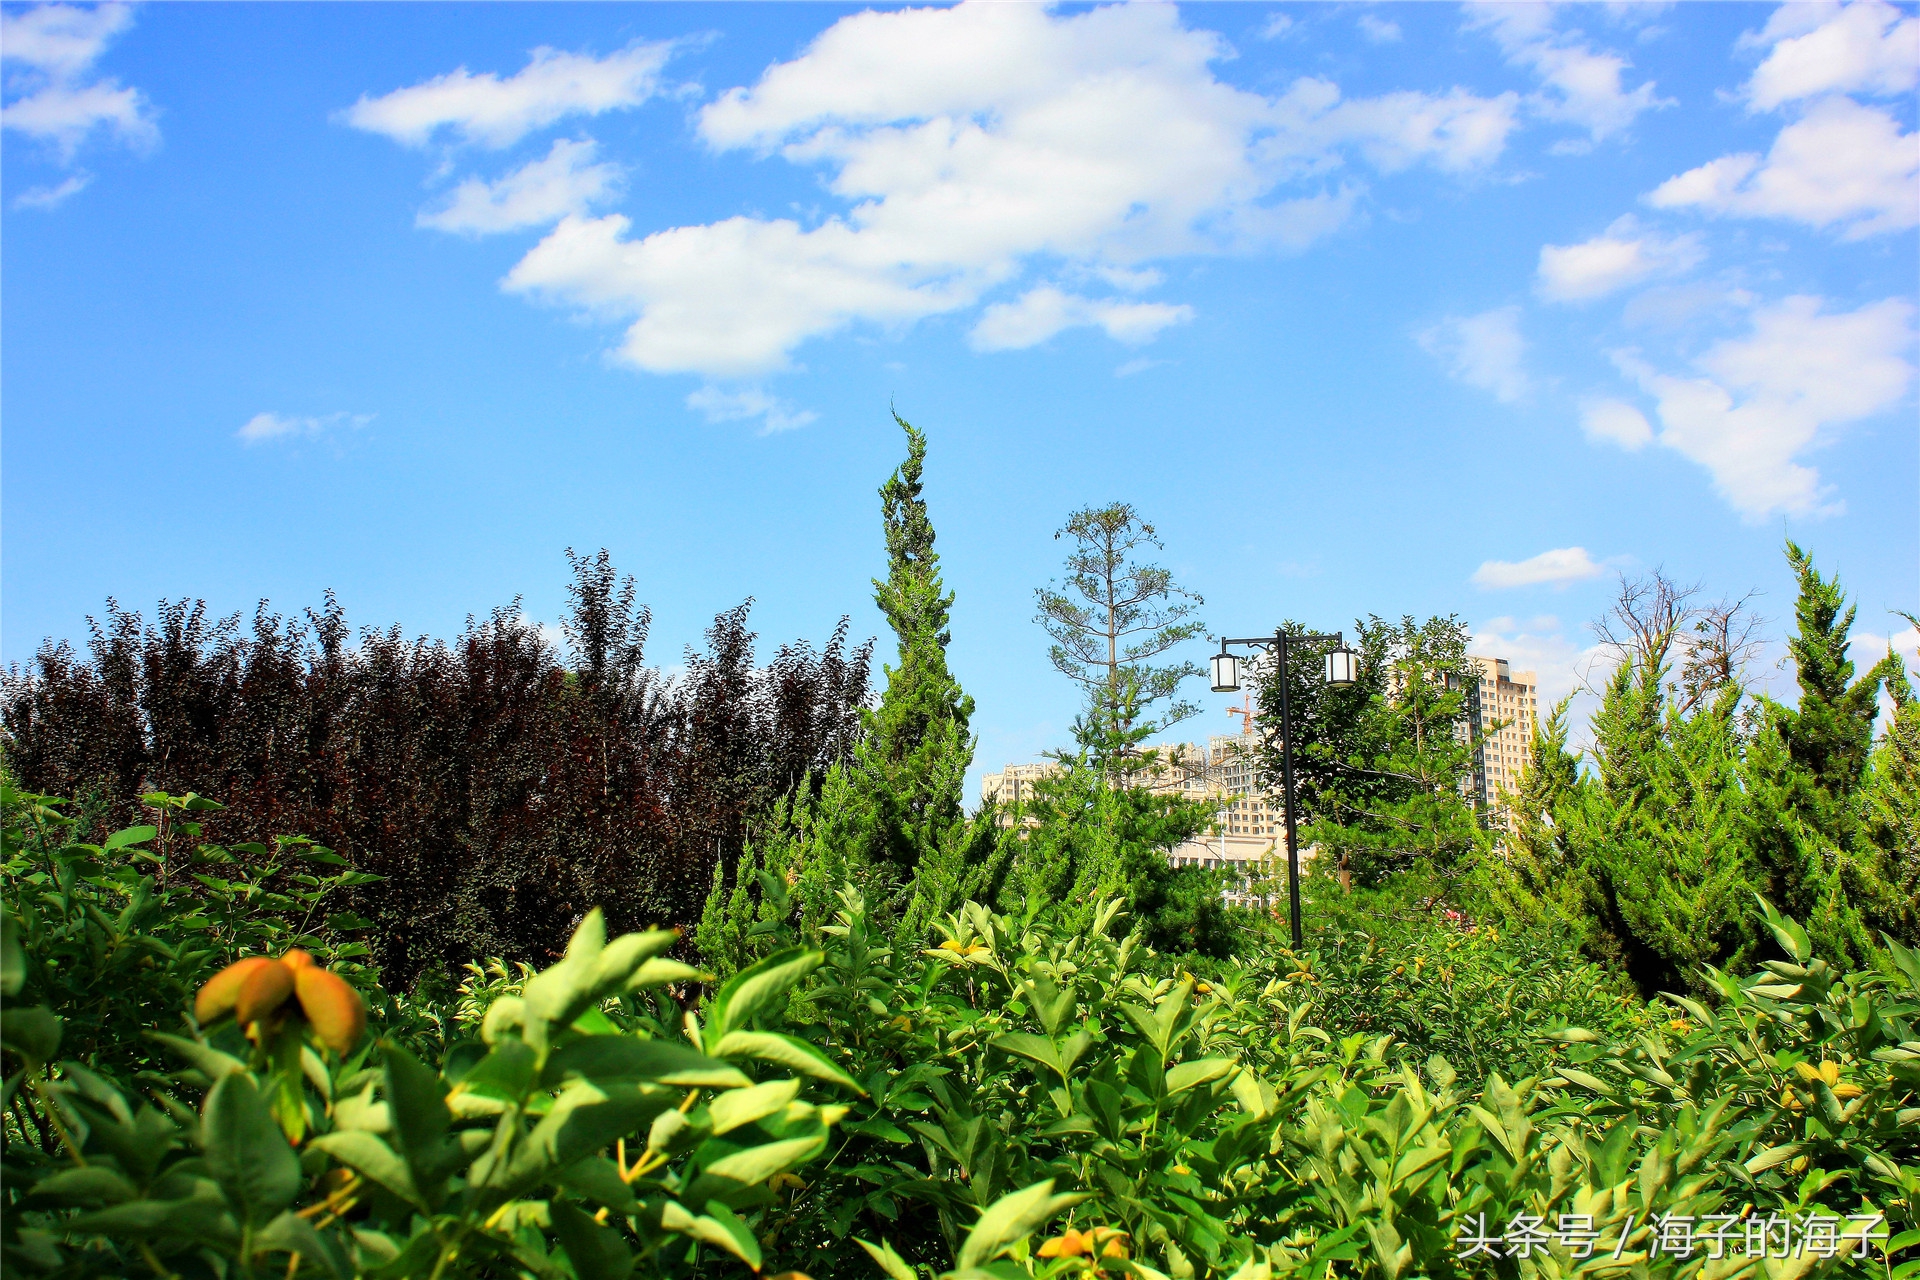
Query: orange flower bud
<point x="217" y="998"/>
<point x="263" y="991"/>
<point x="333" y="1008"/>
<point x="297" y="959"/>
<point x="1070" y="1244"/>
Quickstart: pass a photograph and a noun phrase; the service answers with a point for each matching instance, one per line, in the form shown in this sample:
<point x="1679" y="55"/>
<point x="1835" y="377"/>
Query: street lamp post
<point x="1342" y="668"/>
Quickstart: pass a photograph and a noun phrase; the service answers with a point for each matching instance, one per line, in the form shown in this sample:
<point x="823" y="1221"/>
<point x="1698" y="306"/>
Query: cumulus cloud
<point x="1554" y="568"/>
<point x="1276" y="25"/>
<point x="1580" y="85"/>
<point x="1040" y="313"/>
<point x="565" y="181"/>
<point x="52" y="93"/>
<point x="1615" y="422"/>
<point x="262" y="427"/>
<point x="1484" y="351"/>
<point x="966" y="143"/>
<point x="1865" y="47"/>
<point x="775" y="415"/>
<point x="488" y="111"/>
<point x="1624" y="254"/>
<point x="1760" y="402"/>
<point x="1841" y="165"/>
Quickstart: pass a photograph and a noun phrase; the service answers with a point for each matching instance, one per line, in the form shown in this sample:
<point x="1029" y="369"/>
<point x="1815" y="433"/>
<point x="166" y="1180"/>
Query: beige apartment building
<point x="1248" y="832"/>
<point x="1510" y="700"/>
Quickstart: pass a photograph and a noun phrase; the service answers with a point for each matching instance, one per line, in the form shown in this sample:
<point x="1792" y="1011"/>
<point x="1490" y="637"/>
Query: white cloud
<point x="1615" y="422"/>
<point x="1139" y="364"/>
<point x="541" y="192"/>
<point x="490" y="112"/>
<point x="52" y="94"/>
<point x="1554" y="568"/>
<point x="1842" y="165"/>
<point x="1277" y="25"/>
<point x="738" y="406"/>
<point x="968" y="142"/>
<point x="275" y="426"/>
<point x="1378" y="30"/>
<point x="1865" y="47"/>
<point x="54" y="196"/>
<point x="1766" y="399"/>
<point x="1582" y="86"/>
<point x="1040" y="313"/>
<point x="1625" y="254"/>
<point x="1483" y="351"/>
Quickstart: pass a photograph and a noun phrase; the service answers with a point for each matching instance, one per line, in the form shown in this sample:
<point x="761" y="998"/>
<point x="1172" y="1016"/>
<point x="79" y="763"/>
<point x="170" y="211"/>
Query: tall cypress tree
<point x="918" y="746"/>
<point x="1829" y="737"/>
<point x="1805" y="771"/>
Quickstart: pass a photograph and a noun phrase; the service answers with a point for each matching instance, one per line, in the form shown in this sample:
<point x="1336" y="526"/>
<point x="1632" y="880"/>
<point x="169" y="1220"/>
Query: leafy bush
<point x="496" y="1162"/>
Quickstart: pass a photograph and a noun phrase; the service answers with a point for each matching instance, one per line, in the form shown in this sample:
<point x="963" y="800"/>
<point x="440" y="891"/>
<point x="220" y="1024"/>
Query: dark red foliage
<point x="501" y="787"/>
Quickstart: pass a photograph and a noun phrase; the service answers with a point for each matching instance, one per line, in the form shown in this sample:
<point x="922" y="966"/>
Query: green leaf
<point x="246" y="1151"/>
<point x="91" y="1185"/>
<point x="786" y="1051"/>
<point x="631" y="1058"/>
<point x="1791" y="937"/>
<point x="674" y="1217"/>
<point x="418" y="1119"/>
<point x="756" y="1164"/>
<point x="33" y="1033"/>
<point x="1772" y="1156"/>
<point x="215" y="1064"/>
<point x="129" y="835"/>
<point x="373" y="1159"/>
<point x="759" y="989"/>
<point x="597" y="1179"/>
<point x="13" y="961"/>
<point x="1011" y="1219"/>
<point x="745" y="1247"/>
<point x="291" y="1233"/>
<point x="739" y="1107"/>
<point x="1186" y="1075"/>
<point x="890" y="1262"/>
<point x="596" y="1252"/>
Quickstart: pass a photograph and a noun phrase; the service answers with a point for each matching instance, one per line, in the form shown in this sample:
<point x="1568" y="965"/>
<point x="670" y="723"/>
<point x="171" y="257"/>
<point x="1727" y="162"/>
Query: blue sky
<point x="1395" y="308"/>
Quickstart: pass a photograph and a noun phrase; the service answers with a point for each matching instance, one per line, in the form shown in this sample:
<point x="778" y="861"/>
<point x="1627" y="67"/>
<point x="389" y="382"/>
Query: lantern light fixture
<point x="1343" y="666"/>
<point x="1226" y="673"/>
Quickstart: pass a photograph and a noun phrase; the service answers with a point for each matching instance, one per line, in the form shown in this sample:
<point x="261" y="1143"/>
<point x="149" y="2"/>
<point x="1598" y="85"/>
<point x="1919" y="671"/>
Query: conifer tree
<point x="918" y="747"/>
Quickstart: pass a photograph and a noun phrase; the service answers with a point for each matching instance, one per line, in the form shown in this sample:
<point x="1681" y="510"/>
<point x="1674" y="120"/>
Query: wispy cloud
<point x="775" y="414"/>
<point x="1556" y="568"/>
<point x="488" y="111"/>
<point x="53" y="94"/>
<point x="263" y="427"/>
<point x="539" y="193"/>
<point x="54" y="196"/>
<point x="1625" y="254"/>
<point x="1484" y="350"/>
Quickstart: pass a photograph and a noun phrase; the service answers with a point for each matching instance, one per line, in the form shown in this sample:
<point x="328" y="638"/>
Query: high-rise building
<point x="1248" y="832"/>
<point x="1503" y="711"/>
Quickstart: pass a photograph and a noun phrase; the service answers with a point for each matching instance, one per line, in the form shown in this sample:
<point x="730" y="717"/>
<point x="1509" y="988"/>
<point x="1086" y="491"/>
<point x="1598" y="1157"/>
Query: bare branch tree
<point x="1726" y="639"/>
<point x="1646" y="616"/>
